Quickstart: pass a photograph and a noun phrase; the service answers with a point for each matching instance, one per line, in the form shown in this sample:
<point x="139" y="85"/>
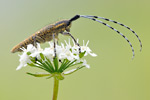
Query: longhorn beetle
<point x="63" y="27"/>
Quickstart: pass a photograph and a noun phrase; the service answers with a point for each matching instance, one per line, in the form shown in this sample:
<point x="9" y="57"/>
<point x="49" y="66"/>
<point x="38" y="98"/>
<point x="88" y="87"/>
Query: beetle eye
<point x="68" y="23"/>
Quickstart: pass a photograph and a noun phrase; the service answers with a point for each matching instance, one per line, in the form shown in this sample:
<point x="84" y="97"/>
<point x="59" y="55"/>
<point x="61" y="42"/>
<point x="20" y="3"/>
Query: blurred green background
<point x="113" y="74"/>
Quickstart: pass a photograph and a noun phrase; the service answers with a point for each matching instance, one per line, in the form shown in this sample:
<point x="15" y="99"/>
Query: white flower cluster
<point x="63" y="52"/>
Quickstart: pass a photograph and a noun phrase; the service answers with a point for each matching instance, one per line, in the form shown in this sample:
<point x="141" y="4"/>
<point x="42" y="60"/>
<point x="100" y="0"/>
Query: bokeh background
<point x="113" y="74"/>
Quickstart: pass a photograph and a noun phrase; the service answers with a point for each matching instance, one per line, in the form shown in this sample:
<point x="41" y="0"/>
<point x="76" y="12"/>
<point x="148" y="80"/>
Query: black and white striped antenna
<point x="94" y="18"/>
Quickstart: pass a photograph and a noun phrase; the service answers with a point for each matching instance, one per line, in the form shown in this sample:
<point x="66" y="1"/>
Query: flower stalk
<point x="55" y="89"/>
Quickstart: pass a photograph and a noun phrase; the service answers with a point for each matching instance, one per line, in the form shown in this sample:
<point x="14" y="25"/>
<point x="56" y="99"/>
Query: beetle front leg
<point x="54" y="45"/>
<point x="68" y="34"/>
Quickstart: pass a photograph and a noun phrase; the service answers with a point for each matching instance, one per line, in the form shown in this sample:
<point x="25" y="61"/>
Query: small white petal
<point x="85" y="64"/>
<point x="83" y="43"/>
<point x="73" y="42"/>
<point x="66" y="42"/>
<point x="69" y="41"/>
<point x="19" y="67"/>
<point x="62" y="45"/>
<point x="77" y="40"/>
<point x="39" y="47"/>
<point x="93" y="54"/>
<point x="70" y="71"/>
<point x="87" y="43"/>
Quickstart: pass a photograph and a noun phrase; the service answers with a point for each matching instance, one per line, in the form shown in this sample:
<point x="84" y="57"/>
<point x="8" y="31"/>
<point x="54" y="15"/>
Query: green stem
<point x="55" y="89"/>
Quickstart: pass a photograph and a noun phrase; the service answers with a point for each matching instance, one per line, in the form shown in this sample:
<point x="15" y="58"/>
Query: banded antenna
<point x="94" y="18"/>
<point x="121" y="25"/>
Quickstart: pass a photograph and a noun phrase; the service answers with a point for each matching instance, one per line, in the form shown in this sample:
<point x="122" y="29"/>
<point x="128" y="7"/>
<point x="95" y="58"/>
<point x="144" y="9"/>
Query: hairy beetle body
<point x="43" y="35"/>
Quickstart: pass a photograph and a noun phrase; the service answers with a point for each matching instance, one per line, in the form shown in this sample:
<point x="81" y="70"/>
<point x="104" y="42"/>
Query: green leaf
<point x="33" y="59"/>
<point x="28" y="53"/>
<point x="63" y="65"/>
<point x="82" y="54"/>
<point x="38" y="75"/>
<point x="32" y="65"/>
<point x="44" y="65"/>
<point x="40" y="66"/>
<point x="70" y="64"/>
<point x="50" y="64"/>
<point x="75" y="70"/>
<point x="70" y="49"/>
<point x="76" y="64"/>
<point x="42" y="56"/>
<point x="55" y="61"/>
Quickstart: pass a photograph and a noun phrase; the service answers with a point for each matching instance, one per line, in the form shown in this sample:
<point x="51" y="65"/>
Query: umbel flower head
<point x="67" y="57"/>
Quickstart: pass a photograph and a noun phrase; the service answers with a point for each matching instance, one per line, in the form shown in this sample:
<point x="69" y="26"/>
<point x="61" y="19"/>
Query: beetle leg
<point x="34" y="40"/>
<point x="68" y="34"/>
<point x="54" y="45"/>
